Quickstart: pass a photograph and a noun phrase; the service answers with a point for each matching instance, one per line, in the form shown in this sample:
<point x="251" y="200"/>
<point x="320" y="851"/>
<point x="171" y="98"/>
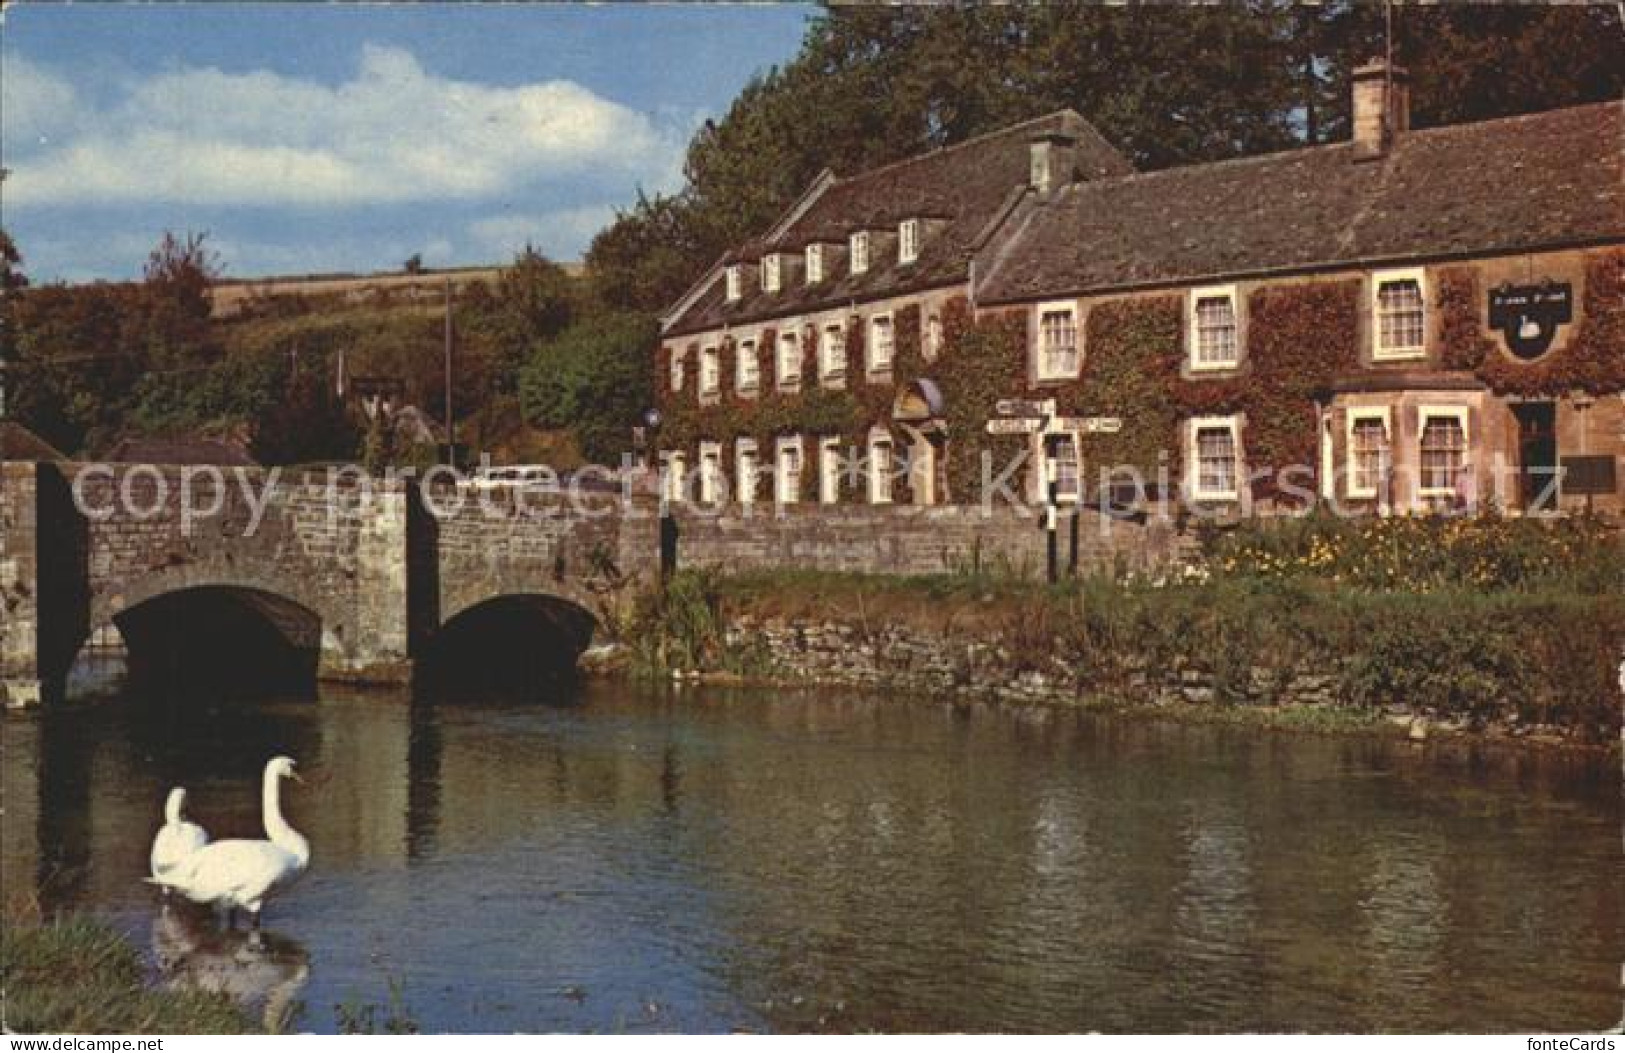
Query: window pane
<point x="1215" y="330"/>
<point x="1444" y="451"/>
<point x="1216" y="461"/>
<point x="1058" y="342"/>
<point x="1369" y="452"/>
<point x="1400" y="315"/>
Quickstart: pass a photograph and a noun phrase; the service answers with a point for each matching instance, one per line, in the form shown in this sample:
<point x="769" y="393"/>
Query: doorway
<point x="1537" y="455"/>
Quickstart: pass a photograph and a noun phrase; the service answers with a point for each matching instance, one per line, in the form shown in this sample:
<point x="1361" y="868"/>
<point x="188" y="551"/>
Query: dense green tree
<point x="593" y="379"/>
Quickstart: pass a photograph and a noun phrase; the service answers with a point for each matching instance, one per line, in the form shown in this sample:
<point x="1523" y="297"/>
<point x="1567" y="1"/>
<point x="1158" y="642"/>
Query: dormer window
<point x="860" y="252"/>
<point x="908" y="241"/>
<point x="771" y="273"/>
<point x="815" y="264"/>
<point x="735" y="282"/>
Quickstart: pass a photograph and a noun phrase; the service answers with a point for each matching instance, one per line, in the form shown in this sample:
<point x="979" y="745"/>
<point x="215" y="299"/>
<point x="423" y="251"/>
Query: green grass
<point x="74" y="975"/>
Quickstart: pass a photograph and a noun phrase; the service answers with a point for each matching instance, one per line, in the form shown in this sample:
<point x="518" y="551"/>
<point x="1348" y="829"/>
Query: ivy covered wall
<point x="1299" y="337"/>
<point x="1593" y="359"/>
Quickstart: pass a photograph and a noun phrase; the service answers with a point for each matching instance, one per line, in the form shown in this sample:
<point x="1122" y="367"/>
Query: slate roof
<point x="966" y="185"/>
<point x="1519" y="183"/>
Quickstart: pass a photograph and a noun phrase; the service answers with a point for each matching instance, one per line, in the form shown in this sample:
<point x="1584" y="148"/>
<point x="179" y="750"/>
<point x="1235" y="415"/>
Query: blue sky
<point x="327" y="137"/>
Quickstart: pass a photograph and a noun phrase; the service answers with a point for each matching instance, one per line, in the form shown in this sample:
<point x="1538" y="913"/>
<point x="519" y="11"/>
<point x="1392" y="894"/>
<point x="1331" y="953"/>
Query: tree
<point x="1165" y="84"/>
<point x="648" y="256"/>
<point x="534" y="301"/>
<point x="593" y="380"/>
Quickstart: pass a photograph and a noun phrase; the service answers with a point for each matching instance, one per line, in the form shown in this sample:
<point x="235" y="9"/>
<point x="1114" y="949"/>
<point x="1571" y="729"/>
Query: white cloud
<point x="393" y="133"/>
<point x="562" y="234"/>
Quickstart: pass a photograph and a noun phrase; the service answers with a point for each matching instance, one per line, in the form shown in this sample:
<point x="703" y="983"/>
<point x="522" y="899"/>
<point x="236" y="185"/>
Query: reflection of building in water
<point x="263" y="971"/>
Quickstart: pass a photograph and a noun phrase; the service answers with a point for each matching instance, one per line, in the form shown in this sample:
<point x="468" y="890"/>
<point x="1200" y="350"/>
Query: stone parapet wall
<point x="918" y="540"/>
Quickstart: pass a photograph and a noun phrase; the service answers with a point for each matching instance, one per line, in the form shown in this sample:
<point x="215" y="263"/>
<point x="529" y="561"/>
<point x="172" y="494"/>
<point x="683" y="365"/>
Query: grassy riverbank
<point x="75" y="975"/>
<point x="1487" y="624"/>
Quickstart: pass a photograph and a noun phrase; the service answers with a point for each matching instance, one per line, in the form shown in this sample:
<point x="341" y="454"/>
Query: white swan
<point x="242" y="873"/>
<point x="177" y="839"/>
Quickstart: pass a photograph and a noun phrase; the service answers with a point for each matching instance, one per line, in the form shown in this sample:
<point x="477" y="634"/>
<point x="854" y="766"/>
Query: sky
<point x="308" y="138"/>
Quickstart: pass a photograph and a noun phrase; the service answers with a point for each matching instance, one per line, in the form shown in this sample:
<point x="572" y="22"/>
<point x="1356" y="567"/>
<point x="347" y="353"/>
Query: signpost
<point x="1015" y="425"/>
<point x="1037" y="416"/>
<point x="1089" y="425"/>
<point x="1026" y="407"/>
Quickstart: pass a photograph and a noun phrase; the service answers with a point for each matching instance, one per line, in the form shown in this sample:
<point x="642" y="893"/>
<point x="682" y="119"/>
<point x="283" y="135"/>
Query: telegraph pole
<point x="451" y="429"/>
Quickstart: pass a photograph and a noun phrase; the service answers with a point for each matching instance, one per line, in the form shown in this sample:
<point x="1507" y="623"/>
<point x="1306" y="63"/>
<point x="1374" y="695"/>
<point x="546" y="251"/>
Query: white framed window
<point x="815" y="263"/>
<point x="882" y="462"/>
<point x="859" y="250"/>
<point x="787" y="463"/>
<point x="679" y="366"/>
<point x="1399" y="314"/>
<point x="747" y="369"/>
<point x="829" y="469"/>
<point x="1442" y="448"/>
<point x="712" y="485"/>
<point x="674" y="482"/>
<point x="933" y="338"/>
<point x="1215" y="458"/>
<point x="1213" y="327"/>
<point x="881" y="347"/>
<point x="710" y="370"/>
<point x="789" y="360"/>
<point x="908" y="241"/>
<point x="1369" y="435"/>
<point x="771" y="272"/>
<point x="1057" y="340"/>
<point x="832" y="352"/>
<point x="1063" y="466"/>
<point x="736" y="280"/>
<point x="747" y="465"/>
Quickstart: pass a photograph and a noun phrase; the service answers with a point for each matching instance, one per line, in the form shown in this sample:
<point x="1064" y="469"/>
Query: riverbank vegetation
<point x="74" y="975"/>
<point x="1473" y="622"/>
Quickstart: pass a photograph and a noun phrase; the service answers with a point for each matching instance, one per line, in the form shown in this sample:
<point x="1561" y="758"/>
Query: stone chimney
<point x="1382" y="106"/>
<point x="1053" y="160"/>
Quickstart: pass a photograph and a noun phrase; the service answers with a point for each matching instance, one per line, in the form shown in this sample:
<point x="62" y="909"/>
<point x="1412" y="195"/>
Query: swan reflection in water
<point x="262" y="971"/>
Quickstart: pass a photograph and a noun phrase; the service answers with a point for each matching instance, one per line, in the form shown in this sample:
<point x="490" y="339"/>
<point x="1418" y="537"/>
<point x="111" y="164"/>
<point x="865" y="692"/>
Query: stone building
<point x="1413" y="319"/>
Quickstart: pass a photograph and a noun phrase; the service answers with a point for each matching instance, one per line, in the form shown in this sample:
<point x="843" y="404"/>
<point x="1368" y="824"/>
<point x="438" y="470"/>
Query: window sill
<point x="1214" y="367"/>
<point x="1406" y="355"/>
<point x="1217" y="497"/>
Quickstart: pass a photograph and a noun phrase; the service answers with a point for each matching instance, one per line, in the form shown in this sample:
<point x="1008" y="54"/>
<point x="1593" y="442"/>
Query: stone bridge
<point x="363" y="579"/>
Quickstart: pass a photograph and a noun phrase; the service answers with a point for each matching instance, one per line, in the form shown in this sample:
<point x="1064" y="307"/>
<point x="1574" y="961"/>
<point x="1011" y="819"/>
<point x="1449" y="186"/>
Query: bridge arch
<point x="509" y="642"/>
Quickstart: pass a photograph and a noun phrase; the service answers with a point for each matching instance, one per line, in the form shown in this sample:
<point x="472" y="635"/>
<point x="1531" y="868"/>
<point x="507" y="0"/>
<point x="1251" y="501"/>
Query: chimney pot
<point x="1382" y="106"/>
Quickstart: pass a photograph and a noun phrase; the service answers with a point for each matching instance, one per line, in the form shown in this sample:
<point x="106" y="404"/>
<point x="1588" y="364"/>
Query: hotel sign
<point x="1528" y="315"/>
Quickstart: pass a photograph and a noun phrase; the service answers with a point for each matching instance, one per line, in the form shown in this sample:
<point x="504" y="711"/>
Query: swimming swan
<point x="177" y="839"/>
<point x="242" y="873"/>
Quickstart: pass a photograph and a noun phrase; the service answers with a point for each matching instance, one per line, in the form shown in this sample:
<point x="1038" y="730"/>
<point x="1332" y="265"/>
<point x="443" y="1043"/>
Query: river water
<point x="618" y="859"/>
